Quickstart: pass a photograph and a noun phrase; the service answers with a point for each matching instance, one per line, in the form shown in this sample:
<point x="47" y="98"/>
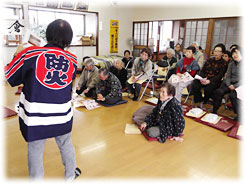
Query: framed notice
<point x="114" y="28"/>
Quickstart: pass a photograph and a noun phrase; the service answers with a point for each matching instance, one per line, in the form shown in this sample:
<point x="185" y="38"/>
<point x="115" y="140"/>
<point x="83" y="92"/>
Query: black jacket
<point x="120" y="74"/>
<point x="170" y="120"/>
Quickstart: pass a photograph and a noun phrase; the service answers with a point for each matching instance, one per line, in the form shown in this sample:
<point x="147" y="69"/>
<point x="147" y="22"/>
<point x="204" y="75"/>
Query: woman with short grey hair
<point x="169" y="61"/>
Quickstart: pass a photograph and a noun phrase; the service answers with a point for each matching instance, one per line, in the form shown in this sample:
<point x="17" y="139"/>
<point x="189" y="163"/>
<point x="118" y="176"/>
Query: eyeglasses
<point x="217" y="51"/>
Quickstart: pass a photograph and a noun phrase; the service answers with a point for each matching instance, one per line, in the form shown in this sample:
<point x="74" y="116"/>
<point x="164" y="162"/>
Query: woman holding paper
<point x="212" y="73"/>
<point x="167" y="118"/>
<point x="230" y="83"/>
<point x="187" y="68"/>
<point x="141" y="71"/>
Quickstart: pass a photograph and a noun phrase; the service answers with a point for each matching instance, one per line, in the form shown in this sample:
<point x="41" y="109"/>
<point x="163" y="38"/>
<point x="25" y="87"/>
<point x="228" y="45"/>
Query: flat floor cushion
<point x="233" y="132"/>
<point x="139" y="116"/>
<point x="144" y="133"/>
<point x="19" y="90"/>
<point x="8" y="112"/>
<point x="110" y="105"/>
<point x="224" y="124"/>
<point x="152" y="101"/>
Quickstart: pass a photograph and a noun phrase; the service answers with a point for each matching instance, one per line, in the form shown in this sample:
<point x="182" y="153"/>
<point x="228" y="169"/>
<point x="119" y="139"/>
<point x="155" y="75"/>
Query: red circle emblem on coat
<point x="54" y="69"/>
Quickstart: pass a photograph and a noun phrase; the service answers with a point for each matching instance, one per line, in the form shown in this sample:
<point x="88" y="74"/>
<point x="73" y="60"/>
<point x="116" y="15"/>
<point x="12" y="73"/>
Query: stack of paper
<point x="78" y="104"/>
<point x="239" y="91"/>
<point x="198" y="77"/>
<point x="152" y="100"/>
<point x="90" y="104"/>
<point x="186" y="77"/>
<point x="130" y="80"/>
<point x="195" y="112"/>
<point x="76" y="98"/>
<point x="241" y="130"/>
<point x="211" y="118"/>
<point x="132" y="129"/>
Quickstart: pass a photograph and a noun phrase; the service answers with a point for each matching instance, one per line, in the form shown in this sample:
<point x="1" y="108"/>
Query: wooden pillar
<point x="209" y="37"/>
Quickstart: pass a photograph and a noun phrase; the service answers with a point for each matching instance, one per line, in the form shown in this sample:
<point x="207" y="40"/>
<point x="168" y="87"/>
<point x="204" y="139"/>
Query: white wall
<point x="127" y="14"/>
<point x="185" y="12"/>
<point x="107" y="12"/>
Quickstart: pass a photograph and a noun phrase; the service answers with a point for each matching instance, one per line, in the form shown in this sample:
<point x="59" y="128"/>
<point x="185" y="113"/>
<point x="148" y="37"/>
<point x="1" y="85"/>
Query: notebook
<point x="132" y="129"/>
<point x="211" y="118"/>
<point x="240" y="130"/>
<point x="195" y="112"/>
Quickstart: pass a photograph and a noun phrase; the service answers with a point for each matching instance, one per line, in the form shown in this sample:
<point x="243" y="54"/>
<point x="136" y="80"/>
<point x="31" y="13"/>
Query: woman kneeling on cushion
<point x="167" y="118"/>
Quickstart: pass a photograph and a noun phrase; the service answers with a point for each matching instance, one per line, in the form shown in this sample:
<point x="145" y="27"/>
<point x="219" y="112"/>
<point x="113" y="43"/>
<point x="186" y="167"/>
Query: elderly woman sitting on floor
<point x="167" y="118"/>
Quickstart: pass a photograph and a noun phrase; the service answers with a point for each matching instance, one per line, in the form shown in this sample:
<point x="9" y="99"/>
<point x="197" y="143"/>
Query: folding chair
<point x="130" y="61"/>
<point x="227" y="104"/>
<point x="151" y="79"/>
<point x="188" y="94"/>
<point x="129" y="69"/>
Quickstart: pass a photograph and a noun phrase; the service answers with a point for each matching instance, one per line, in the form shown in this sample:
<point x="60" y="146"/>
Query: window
<point x="226" y="31"/>
<point x="140" y="34"/>
<point x="12" y="12"/>
<point x="140" y="37"/>
<point x="165" y="34"/>
<point x="12" y="24"/>
<point x="146" y="34"/>
<point x="196" y="31"/>
<point x="153" y="34"/>
<point x="39" y="20"/>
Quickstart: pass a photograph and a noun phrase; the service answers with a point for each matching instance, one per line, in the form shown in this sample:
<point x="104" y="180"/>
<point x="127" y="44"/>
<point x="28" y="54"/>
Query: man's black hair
<point x="127" y="52"/>
<point x="59" y="33"/>
<point x="222" y="46"/>
<point x="192" y="48"/>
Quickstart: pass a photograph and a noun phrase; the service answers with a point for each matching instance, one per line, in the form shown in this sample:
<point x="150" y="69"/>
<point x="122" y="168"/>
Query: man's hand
<point x="100" y="97"/>
<point x="78" y="88"/>
<point x="231" y="87"/>
<point x="143" y="126"/>
<point x="135" y="80"/>
<point x="86" y="90"/>
<point x="179" y="74"/>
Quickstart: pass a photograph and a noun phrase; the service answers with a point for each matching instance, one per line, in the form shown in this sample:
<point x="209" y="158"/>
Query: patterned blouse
<point x="214" y="70"/>
<point x="170" y="119"/>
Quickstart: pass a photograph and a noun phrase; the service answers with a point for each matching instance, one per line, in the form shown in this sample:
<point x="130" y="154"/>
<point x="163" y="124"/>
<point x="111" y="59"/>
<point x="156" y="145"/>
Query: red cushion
<point x="233" y="132"/>
<point x="8" y="112"/>
<point x="224" y="124"/>
<point x="150" y="103"/>
<point x="19" y="90"/>
<point x="124" y="89"/>
<point x="229" y="105"/>
<point x="148" y="137"/>
<point x="144" y="133"/>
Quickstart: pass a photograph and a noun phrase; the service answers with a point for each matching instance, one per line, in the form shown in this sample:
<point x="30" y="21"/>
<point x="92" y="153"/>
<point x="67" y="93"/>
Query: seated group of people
<point x="100" y="83"/>
<point x="219" y="74"/>
<point x="107" y="85"/>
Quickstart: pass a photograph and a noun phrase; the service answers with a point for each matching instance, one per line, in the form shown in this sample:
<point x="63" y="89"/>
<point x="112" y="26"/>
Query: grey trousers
<point x="179" y="86"/>
<point x="35" y="157"/>
<point x="153" y="131"/>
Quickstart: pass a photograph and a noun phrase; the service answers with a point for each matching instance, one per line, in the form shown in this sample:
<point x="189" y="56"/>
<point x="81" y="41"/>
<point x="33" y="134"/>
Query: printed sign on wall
<point x="114" y="28"/>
